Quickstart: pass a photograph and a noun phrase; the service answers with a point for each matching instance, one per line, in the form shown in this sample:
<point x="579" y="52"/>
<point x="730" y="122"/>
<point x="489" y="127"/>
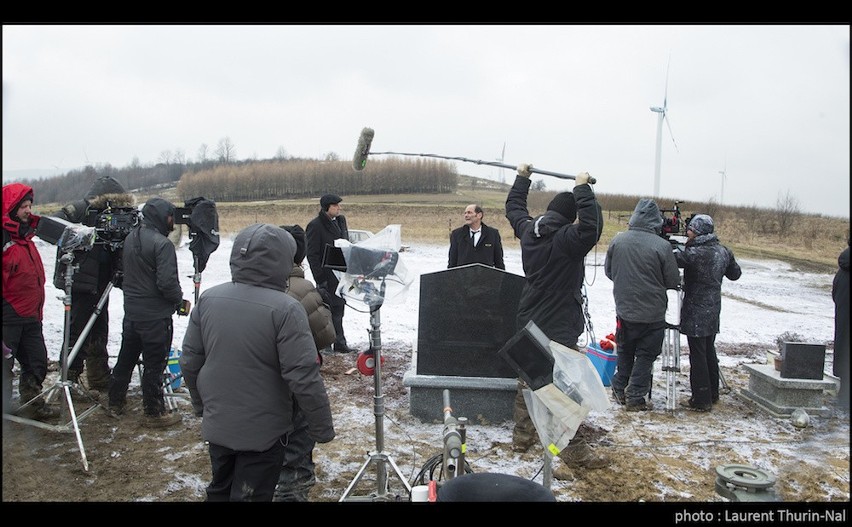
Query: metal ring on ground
<point x="745" y="476"/>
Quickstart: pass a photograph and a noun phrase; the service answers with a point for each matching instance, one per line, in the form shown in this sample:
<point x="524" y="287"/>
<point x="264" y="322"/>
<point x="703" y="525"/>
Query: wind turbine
<point x="724" y="173"/>
<point x="502" y="178"/>
<point x="661" y="112"/>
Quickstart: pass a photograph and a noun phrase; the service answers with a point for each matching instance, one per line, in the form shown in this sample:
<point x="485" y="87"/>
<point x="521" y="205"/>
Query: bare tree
<point x="332" y="156"/>
<point x="165" y="157"/>
<point x="179" y="157"/>
<point x="203" y="152"/>
<point x="226" y="152"/>
<point x="538" y="185"/>
<point x="281" y="153"/>
<point x="786" y="210"/>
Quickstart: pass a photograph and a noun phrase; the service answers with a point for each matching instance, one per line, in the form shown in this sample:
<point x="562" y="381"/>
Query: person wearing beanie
<point x="642" y="267"/>
<point x="23" y="305"/>
<point x="475" y="242"/>
<point x="96" y="268"/>
<point x="329" y="225"/>
<point x="298" y="473"/>
<point x="705" y="262"/>
<point x="553" y="251"/>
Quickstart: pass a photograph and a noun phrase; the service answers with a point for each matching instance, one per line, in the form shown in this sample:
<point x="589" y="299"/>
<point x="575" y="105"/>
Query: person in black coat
<point x="554" y="246"/>
<point x="329" y="225"/>
<point x="705" y="262"/>
<point x="96" y="268"/>
<point x="475" y="242"/>
<point x="840" y="295"/>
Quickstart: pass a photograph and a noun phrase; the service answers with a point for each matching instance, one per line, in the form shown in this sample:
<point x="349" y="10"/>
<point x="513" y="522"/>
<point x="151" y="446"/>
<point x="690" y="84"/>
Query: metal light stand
<point x="378" y="458"/>
<point x="66" y="358"/>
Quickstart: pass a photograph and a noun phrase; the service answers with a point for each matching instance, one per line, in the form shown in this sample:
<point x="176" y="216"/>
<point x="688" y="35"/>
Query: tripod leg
<point x="76" y="427"/>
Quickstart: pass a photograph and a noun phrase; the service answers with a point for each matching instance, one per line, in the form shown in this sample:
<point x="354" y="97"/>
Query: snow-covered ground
<point x="768" y="300"/>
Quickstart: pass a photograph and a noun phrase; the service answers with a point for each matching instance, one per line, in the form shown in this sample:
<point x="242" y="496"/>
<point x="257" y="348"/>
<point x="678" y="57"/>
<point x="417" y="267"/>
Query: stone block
<point x="482" y="400"/>
<point x="802" y="361"/>
<point x="466" y="315"/>
<point x="780" y="396"/>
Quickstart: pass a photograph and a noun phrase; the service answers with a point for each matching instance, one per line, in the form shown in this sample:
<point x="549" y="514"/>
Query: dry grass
<point x="813" y="243"/>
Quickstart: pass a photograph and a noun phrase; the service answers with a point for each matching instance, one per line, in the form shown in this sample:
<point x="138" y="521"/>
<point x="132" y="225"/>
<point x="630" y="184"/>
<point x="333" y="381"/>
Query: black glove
<point x="183" y="309"/>
<point x="326" y="296"/>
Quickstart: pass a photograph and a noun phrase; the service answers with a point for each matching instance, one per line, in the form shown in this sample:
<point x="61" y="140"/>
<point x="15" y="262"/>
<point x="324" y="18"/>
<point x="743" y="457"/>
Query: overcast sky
<point x="768" y="105"/>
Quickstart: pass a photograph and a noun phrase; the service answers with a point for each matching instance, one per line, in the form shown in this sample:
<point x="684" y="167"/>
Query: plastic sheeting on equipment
<point x="558" y="409"/>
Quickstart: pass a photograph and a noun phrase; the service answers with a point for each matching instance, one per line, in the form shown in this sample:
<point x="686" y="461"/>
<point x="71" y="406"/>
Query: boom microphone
<point x="363" y="149"/>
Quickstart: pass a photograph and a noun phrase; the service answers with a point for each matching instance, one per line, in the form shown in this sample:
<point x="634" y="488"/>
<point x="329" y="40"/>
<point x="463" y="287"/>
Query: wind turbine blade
<point x="666" y="91"/>
<point x="503" y="154"/>
<point x="670" y="132"/>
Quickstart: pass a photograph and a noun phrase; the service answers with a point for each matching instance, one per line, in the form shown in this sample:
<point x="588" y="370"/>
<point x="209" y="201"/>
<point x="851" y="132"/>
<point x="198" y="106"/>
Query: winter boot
<point x="578" y="454"/>
<point x="163" y="420"/>
<point x="38" y="409"/>
<point x="97" y="369"/>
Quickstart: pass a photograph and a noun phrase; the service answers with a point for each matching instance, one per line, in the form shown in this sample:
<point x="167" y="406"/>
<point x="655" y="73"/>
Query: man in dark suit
<point x="329" y="225"/>
<point x="475" y="242"/>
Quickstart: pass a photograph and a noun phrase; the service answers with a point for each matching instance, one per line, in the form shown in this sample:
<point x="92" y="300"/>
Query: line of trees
<point x="277" y="178"/>
<point x="282" y="179"/>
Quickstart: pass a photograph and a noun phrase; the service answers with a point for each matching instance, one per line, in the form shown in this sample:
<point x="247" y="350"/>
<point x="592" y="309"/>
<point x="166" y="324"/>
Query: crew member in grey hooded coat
<point x="642" y="266"/>
<point x="249" y="359"/>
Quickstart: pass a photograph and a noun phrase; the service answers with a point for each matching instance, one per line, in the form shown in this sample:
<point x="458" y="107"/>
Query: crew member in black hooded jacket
<point x="152" y="293"/>
<point x="553" y="252"/>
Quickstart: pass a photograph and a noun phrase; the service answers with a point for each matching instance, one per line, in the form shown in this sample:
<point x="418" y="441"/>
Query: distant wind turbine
<point x="500" y="159"/>
<point x="662" y="114"/>
<point x="724" y="173"/>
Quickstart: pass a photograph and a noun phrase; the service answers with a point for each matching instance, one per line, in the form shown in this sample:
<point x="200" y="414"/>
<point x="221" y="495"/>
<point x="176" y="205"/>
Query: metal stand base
<point x="382" y="462"/>
<point x="73" y="423"/>
<point x="378" y="458"/>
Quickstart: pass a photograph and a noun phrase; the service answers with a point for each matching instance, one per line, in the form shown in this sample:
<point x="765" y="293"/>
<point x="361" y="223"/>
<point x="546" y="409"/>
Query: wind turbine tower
<point x="724" y="173"/>
<point x="662" y="115"/>
<point x="502" y="178"/>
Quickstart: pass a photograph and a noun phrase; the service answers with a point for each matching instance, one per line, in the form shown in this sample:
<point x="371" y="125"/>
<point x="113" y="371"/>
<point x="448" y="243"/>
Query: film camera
<point x="674" y="226"/>
<point x="112" y="224"/>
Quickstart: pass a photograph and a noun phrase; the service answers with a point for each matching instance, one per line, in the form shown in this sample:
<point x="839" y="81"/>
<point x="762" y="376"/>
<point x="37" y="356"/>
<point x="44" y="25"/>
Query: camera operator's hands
<point x="184" y="308"/>
<point x="525" y="170"/>
<point x="582" y="178"/>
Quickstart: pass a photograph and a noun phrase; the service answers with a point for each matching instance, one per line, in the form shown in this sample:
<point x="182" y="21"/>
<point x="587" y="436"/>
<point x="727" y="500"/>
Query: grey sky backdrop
<point x="766" y="104"/>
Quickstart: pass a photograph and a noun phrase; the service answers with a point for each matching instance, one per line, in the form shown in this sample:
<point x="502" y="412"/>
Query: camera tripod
<point x="379" y="458"/>
<point x="64" y="385"/>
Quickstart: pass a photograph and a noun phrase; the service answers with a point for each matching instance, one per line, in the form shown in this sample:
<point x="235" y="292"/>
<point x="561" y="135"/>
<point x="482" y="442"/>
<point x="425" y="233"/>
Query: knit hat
<point x="563" y="203"/>
<point x="700" y="224"/>
<point x="105" y="185"/>
<point x="329" y="199"/>
<point x="299" y="235"/>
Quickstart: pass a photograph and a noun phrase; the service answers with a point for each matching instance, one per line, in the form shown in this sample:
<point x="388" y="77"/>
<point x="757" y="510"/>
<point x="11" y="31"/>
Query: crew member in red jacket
<point x="23" y="303"/>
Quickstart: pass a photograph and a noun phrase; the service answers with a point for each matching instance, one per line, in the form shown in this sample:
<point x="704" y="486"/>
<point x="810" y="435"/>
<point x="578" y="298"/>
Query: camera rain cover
<point x="204" y="224"/>
<point x="374" y="270"/>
